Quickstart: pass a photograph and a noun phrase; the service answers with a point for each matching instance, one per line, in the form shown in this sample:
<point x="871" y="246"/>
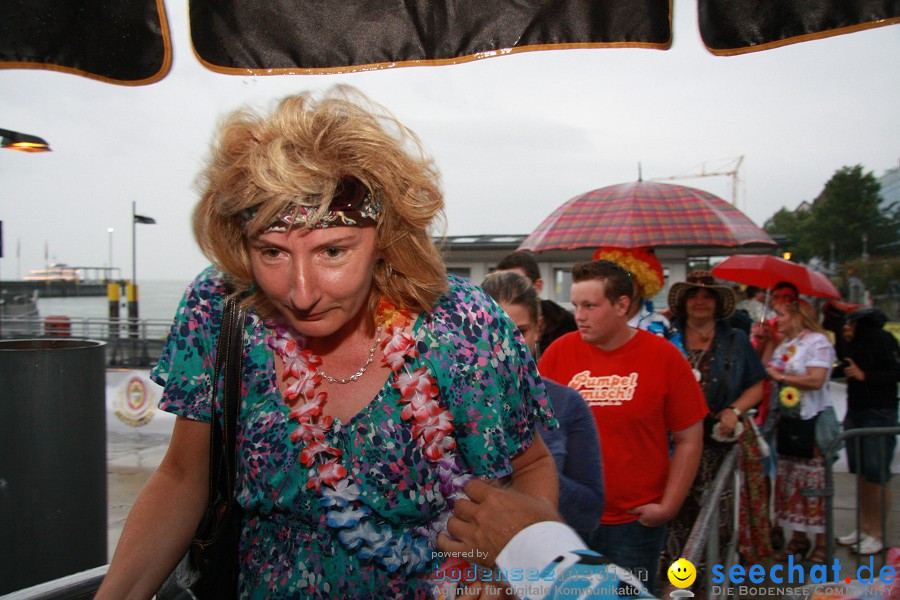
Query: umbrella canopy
<point x="645" y="213"/>
<point x="765" y="271"/>
<point x="128" y="41"/>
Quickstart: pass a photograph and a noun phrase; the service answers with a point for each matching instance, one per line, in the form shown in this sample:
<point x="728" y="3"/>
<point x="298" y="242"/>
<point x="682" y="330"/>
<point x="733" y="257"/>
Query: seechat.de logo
<point x="682" y="574"/>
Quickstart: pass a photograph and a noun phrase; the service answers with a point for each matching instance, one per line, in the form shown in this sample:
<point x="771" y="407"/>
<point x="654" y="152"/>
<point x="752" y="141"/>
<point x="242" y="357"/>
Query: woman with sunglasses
<point x="374" y="385"/>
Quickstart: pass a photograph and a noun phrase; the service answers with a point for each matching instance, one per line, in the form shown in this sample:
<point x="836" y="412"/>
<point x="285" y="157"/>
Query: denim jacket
<point x="730" y="349"/>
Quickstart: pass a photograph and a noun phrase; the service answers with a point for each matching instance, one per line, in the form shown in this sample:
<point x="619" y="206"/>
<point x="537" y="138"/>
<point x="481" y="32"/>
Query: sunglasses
<point x="349" y="195"/>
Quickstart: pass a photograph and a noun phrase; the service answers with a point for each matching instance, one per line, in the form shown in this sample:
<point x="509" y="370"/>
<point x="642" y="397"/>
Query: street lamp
<point x="110" y="273"/>
<point x="13" y="140"/>
<point x="132" y="289"/>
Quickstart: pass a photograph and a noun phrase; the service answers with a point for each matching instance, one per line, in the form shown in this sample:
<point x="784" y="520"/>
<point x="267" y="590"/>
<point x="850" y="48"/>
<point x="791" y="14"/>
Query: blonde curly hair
<point x="298" y="154"/>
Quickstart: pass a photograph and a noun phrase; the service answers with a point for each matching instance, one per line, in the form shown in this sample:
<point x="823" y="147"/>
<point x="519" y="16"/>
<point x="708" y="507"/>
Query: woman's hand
<point x="728" y="420"/>
<point x="776" y="374"/>
<point x="483" y="523"/>
<point x="853" y="371"/>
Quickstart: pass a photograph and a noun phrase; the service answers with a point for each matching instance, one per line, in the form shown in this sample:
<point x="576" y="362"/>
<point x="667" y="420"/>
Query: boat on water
<point x="61" y="280"/>
<point x="55" y="272"/>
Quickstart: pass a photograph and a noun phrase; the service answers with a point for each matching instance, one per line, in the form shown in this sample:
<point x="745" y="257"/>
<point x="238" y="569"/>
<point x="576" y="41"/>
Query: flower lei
<point x="432" y="427"/>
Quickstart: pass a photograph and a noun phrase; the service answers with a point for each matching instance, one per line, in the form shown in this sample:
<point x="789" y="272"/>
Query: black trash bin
<point x="53" y="519"/>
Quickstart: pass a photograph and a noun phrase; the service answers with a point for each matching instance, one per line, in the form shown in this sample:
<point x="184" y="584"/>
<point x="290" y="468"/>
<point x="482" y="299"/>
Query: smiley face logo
<point x="682" y="573"/>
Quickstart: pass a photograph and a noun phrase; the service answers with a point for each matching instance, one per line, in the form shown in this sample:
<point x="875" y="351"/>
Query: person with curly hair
<point x="375" y="386"/>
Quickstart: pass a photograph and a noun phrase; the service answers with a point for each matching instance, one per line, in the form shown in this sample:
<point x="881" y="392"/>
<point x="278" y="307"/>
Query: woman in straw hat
<point x="731" y="375"/>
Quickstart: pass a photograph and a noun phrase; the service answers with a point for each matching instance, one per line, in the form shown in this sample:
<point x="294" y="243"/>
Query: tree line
<point x="848" y="228"/>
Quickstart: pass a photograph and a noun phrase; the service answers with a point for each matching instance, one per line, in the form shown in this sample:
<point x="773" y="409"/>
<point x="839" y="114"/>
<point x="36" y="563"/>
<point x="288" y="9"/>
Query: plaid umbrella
<point x="645" y="213"/>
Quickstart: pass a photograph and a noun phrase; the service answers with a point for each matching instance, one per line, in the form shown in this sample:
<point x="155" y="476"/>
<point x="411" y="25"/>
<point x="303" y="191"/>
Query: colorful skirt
<point x="795" y="510"/>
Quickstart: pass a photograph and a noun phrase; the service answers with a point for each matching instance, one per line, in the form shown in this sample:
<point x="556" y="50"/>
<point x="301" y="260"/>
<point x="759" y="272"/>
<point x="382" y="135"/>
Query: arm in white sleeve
<point x="548" y="561"/>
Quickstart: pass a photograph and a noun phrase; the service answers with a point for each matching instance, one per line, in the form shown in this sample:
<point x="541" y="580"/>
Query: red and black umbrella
<point x="645" y="213"/>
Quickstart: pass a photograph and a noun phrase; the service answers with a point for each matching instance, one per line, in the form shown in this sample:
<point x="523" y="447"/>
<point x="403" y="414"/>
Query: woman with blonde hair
<point x="800" y="367"/>
<point x="374" y="385"/>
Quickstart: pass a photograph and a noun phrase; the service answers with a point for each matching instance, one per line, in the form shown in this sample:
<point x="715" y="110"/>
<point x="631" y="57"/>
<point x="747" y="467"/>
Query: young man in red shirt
<point x="640" y="389"/>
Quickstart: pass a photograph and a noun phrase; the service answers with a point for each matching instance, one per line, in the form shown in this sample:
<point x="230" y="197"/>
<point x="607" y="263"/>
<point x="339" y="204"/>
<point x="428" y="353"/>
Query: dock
<point x="54" y="288"/>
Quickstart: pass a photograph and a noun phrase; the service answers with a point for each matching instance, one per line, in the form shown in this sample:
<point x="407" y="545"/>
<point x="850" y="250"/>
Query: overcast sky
<point x="514" y="136"/>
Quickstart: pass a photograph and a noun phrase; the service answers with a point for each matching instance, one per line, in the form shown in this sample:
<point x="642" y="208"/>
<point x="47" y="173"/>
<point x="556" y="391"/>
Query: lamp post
<point x="110" y="274"/>
<point x="132" y="292"/>
<point x="13" y="140"/>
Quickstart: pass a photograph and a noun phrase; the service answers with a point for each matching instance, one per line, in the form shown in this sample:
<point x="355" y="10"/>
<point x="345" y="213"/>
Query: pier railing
<point x="130" y="342"/>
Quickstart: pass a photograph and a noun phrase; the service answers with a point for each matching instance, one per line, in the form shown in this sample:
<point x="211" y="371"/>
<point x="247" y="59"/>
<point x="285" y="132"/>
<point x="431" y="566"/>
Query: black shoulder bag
<point x="209" y="570"/>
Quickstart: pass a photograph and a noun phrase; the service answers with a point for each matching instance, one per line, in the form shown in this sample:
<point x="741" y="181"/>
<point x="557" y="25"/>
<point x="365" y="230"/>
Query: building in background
<point x="890" y="188"/>
<point x="474" y="256"/>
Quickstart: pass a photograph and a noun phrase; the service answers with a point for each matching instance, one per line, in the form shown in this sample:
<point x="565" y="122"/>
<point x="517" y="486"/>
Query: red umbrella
<point x="645" y="213"/>
<point x="765" y="271"/>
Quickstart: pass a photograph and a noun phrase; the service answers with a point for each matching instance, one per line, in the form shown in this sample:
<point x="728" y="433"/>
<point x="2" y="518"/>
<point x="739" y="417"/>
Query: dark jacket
<point x="733" y="359"/>
<point x="557" y="322"/>
<point x="876" y="352"/>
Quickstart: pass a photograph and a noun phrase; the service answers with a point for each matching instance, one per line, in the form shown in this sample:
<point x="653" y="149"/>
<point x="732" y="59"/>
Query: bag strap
<point x="223" y="441"/>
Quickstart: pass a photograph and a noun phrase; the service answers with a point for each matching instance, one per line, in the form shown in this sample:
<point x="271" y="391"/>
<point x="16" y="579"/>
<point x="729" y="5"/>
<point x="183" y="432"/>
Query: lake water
<point x="156" y="300"/>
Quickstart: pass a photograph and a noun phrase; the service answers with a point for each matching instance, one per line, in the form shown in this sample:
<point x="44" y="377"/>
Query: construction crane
<point x="726" y="168"/>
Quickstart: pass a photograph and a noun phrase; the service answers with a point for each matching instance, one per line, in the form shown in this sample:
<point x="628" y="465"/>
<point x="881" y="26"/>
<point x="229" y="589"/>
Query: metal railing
<point x="130" y="342"/>
<point x="77" y="586"/>
<point x="704" y="536"/>
<point x="856" y="436"/>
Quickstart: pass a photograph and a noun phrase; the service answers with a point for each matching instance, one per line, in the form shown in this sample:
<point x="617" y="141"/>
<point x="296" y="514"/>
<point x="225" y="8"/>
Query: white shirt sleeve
<point x="549" y="561"/>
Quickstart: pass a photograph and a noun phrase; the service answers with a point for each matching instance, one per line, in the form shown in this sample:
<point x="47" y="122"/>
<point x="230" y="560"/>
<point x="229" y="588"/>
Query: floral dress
<point x="372" y="534"/>
<point x="797" y="474"/>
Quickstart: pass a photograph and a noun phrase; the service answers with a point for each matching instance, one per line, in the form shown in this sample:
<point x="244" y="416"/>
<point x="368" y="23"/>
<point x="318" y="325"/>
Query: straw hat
<point x="701" y="279"/>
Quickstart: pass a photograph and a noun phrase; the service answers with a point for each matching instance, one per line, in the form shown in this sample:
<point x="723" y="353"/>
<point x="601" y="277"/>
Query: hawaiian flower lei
<point x="432" y="427"/>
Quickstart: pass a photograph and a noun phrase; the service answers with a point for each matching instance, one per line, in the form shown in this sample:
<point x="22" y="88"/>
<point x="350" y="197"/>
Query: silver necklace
<point x="361" y="370"/>
<point x="695" y="357"/>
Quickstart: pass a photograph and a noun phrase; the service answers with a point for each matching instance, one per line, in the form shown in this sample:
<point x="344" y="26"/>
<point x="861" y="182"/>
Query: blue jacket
<point x="575" y="447"/>
<point x="731" y="351"/>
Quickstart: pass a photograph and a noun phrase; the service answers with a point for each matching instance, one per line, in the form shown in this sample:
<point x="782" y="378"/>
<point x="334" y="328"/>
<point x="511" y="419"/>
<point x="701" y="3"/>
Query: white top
<point x="548" y="560"/>
<point x="795" y="356"/>
<point x="756" y="309"/>
<point x="649" y="320"/>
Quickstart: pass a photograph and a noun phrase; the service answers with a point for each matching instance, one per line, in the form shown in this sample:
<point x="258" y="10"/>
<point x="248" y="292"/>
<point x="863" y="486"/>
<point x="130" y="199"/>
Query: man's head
<point x="785" y="290"/>
<point x="755" y="293"/>
<point x="523" y="263"/>
<point x="602" y="294"/>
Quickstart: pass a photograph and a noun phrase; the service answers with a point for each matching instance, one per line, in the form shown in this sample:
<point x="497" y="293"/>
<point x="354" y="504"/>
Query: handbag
<point x="827" y="430"/>
<point x="796" y="437"/>
<point x="209" y="569"/>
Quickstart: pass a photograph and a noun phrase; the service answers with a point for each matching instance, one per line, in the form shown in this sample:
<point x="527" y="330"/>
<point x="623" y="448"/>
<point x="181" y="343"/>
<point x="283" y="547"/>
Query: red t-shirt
<point x="637" y="393"/>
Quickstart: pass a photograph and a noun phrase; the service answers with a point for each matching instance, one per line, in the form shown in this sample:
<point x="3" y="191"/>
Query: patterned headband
<point x="353" y="205"/>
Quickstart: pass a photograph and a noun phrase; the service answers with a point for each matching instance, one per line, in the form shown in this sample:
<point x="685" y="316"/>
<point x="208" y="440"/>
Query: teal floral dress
<point x="373" y="535"/>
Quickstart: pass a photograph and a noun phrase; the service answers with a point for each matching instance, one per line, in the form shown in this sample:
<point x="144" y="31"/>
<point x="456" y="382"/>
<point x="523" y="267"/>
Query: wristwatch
<point x="736" y="411"/>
